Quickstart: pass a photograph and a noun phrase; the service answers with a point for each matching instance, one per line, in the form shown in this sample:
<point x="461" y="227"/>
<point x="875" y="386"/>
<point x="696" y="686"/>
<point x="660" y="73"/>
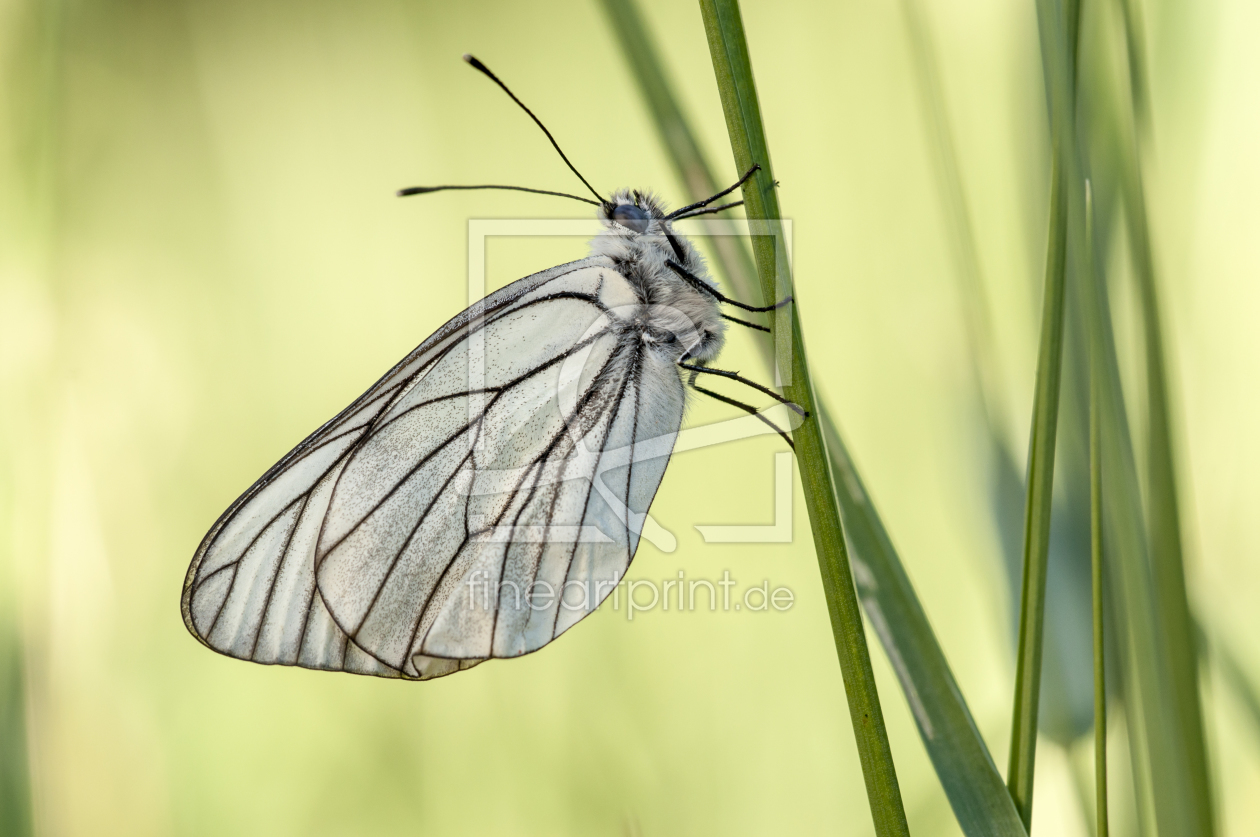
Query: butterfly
<point x="490" y="490"/>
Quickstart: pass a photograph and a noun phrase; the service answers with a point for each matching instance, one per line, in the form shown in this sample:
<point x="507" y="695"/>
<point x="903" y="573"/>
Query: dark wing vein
<point x="612" y="421"/>
<point x="271" y="585"/>
<point x="223" y="604"/>
<point x="424" y="460"/>
<point x="577" y="411"/>
<point x="567" y="353"/>
<point x="437" y="495"/>
<point x="415" y="625"/>
<point x="498" y="391"/>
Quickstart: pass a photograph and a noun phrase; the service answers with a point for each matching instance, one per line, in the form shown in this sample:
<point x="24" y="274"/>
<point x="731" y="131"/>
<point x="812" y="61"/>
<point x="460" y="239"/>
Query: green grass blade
<point x="1156" y="744"/>
<point x="1164" y="668"/>
<point x="958" y="753"/>
<point x="1135" y="50"/>
<point x="733" y="69"/>
<point x="1037" y="509"/>
<point x="1057" y="25"/>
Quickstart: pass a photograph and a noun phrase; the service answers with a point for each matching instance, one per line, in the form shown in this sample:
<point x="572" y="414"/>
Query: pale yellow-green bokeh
<point x="201" y="260"/>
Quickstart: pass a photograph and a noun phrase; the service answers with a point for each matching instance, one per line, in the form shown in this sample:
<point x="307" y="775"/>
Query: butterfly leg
<point x="695" y="281"/>
<point x="748" y="408"/>
<point x="745" y="323"/>
<point x="735" y="376"/>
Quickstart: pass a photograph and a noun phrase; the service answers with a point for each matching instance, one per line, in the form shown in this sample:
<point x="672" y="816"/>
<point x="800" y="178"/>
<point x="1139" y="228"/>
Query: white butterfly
<point x="490" y="490"/>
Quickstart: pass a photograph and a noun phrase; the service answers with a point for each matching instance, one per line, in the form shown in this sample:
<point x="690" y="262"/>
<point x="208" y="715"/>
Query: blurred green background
<point x="201" y="260"/>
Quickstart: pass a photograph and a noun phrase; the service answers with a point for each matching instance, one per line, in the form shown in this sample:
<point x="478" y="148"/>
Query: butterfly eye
<point x="631" y="217"/>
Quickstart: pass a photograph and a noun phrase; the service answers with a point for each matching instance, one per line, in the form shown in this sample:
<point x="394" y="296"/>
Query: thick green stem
<point x="733" y="69"/>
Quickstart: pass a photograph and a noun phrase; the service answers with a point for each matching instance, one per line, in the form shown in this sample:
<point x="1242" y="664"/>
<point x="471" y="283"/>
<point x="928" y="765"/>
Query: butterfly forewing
<point x="420" y="530"/>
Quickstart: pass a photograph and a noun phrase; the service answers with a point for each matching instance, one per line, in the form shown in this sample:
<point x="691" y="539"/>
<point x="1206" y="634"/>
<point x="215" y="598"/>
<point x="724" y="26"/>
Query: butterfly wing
<point x="250" y="590"/>
<point x="502" y="450"/>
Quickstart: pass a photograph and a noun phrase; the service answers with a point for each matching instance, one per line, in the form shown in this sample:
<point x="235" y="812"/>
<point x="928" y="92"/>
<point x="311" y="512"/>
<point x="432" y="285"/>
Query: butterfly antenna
<point x="424" y="190"/>
<point x="477" y="65"/>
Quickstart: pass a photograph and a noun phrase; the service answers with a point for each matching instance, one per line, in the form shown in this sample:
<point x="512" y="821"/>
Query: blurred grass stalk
<point x="1163" y="509"/>
<point x="985" y="369"/>
<point x="962" y="761"/>
<point x="1064" y="704"/>
<point x="732" y="67"/>
<point x="33" y="100"/>
<point x="15" y="784"/>
<point x="1144" y="555"/>
<point x="1096" y="372"/>
<point x="1065" y="710"/>
<point x="958" y="753"/>
<point x="1058" y="28"/>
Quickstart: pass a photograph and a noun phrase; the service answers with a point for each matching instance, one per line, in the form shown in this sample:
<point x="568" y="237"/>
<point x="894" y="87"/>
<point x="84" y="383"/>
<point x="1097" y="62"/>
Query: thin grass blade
<point x="1096" y="562"/>
<point x="1037" y="514"/>
<point x="1058" y="26"/>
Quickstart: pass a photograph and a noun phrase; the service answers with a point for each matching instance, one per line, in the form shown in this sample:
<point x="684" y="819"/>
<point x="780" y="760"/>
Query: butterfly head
<point x="638" y="227"/>
<point x="631" y="212"/>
